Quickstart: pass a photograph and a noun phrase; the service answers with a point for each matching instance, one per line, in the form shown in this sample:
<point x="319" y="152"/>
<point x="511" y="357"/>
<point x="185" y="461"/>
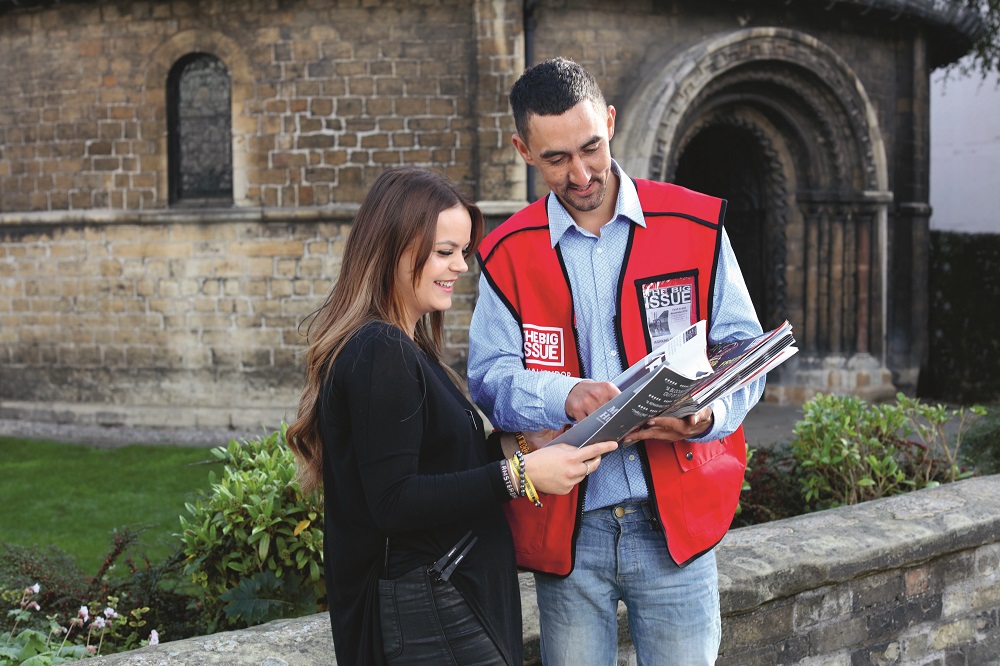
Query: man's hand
<point x="587" y="396"/>
<point x="670" y="429"/>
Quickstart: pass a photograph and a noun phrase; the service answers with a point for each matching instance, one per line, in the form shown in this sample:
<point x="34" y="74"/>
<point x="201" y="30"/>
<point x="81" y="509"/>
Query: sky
<point x="965" y="153"/>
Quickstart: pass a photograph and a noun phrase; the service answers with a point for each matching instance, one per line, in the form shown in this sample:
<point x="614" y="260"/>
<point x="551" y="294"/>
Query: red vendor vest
<point x="694" y="488"/>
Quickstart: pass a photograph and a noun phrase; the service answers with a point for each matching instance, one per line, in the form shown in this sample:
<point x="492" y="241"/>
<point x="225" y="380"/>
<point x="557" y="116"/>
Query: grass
<point x="72" y="496"/>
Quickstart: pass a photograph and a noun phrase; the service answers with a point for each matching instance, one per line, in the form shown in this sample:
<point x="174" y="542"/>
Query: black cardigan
<point x="405" y="457"/>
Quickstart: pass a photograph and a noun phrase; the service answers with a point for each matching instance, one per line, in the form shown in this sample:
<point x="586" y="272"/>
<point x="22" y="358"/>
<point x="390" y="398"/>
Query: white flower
<point x="98" y="622"/>
<point x="110" y="613"/>
<point x="84" y="613"/>
<point x="34" y="606"/>
<point x="36" y="588"/>
<point x="154" y="638"/>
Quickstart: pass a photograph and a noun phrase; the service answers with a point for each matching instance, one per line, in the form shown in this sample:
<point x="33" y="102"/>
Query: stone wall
<point x="327" y="94"/>
<point x="913" y="579"/>
<point x="324" y="97"/>
<point x="169" y="319"/>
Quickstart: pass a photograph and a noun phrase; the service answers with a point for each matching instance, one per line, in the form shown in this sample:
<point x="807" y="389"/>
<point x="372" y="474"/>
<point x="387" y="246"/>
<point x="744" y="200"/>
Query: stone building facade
<point x="177" y="177"/>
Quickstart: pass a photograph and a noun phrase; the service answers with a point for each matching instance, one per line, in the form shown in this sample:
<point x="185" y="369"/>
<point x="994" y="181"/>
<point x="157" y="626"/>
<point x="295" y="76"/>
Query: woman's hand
<point x="556" y="469"/>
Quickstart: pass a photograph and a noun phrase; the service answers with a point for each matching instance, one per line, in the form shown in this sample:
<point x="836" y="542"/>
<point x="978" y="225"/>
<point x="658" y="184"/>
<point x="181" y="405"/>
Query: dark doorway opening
<point x="727" y="162"/>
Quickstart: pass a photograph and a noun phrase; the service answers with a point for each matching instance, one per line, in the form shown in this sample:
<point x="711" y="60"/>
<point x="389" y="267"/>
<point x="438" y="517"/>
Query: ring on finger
<point x="588" y="468"/>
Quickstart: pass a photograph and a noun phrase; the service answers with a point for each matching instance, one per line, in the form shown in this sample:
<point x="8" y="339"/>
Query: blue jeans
<point x="673" y="613"/>
<point x="426" y="621"/>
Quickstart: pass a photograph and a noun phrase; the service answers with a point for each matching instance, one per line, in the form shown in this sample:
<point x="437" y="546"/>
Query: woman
<point x="418" y="556"/>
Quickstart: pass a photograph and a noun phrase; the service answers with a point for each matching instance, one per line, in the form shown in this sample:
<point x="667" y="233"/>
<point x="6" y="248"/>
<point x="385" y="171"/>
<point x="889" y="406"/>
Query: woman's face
<point x="436" y="282"/>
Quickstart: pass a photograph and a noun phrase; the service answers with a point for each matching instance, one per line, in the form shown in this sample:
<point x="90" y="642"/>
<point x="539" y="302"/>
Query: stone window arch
<point x="199" y="130"/>
<point x="161" y="64"/>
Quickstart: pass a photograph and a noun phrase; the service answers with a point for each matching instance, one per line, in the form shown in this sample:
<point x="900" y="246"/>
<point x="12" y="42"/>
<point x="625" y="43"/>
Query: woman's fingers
<point x="560" y="467"/>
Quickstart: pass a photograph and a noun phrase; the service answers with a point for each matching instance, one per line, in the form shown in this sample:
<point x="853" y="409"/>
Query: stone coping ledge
<point x="782" y="558"/>
<point x="756" y="564"/>
<point x="244" y="418"/>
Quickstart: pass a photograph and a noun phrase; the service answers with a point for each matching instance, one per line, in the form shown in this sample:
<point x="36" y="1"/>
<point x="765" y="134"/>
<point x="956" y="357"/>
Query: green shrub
<point x="982" y="443"/>
<point x="254" y="542"/>
<point x="34" y="648"/>
<point x="770" y="489"/>
<point x="59" y="614"/>
<point x="850" y="451"/>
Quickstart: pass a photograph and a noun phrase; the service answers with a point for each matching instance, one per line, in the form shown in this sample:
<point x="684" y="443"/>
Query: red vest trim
<point x="695" y="488"/>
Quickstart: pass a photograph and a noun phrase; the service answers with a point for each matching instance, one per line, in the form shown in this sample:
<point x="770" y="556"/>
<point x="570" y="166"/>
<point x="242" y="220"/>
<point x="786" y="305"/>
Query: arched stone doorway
<point x="776" y="123"/>
<point x="740" y="180"/>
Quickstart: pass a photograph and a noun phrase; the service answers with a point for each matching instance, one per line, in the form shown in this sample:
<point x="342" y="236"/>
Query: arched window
<point x="199" y="131"/>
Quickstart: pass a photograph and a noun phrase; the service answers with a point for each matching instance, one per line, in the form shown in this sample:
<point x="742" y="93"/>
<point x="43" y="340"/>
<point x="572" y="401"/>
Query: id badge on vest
<point x="669" y="305"/>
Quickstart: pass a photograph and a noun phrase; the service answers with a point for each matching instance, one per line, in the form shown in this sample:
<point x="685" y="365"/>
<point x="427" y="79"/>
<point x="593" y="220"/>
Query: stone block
<point x="766" y="626"/>
<point x="822" y="605"/>
<point x="838" y="635"/>
<point x="879" y="590"/>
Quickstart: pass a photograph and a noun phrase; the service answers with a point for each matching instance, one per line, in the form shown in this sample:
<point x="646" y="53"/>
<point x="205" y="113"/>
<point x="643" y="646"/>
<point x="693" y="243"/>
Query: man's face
<point x="572" y="153"/>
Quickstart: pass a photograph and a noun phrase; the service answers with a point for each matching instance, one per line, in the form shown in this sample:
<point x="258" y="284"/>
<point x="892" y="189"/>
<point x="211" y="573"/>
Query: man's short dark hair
<point x="552" y="88"/>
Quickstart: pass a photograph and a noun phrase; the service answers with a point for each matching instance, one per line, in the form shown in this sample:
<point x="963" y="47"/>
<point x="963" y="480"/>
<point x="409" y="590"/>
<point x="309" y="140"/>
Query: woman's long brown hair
<point x="400" y="210"/>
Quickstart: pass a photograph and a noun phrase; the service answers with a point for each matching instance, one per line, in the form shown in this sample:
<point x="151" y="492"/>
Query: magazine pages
<point x="679" y="378"/>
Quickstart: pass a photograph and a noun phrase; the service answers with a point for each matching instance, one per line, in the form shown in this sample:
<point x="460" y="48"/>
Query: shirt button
<point x="689" y="455"/>
<point x="631" y="457"/>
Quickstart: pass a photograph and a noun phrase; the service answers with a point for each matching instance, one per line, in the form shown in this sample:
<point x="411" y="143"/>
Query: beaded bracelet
<point x="527" y="487"/>
<point x="519" y="468"/>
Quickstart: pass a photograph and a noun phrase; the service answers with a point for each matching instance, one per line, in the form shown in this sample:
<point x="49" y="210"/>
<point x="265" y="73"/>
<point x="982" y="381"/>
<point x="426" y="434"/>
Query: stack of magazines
<point x="679" y="378"/>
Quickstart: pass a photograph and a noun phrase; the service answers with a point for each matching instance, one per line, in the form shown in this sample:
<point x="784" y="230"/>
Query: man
<point x="572" y="292"/>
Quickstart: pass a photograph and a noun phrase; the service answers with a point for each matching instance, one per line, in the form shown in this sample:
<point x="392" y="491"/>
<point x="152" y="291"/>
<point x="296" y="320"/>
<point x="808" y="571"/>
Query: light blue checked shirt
<point x="514" y="398"/>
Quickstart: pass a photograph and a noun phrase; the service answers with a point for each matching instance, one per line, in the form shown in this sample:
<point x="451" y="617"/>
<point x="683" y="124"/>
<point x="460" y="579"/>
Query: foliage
<point x="125" y="575"/>
<point x="63" y="585"/>
<point x="985" y="54"/>
<point x="982" y="443"/>
<point x="264" y="597"/>
<point x="33" y="648"/>
<point x="254" y="520"/>
<point x="963" y="360"/>
<point x="852" y="452"/>
<point x="64" y="593"/>
<point x="770" y="488"/>
<point x="82" y="635"/>
<point x="930" y="422"/>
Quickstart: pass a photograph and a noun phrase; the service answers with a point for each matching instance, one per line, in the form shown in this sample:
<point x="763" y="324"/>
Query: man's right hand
<point x="587" y="396"/>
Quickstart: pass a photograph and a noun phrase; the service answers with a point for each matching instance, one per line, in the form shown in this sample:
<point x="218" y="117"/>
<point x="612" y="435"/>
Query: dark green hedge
<point x="964" y="324"/>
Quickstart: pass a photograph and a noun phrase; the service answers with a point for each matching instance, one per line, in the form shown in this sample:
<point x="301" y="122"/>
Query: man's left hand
<point x="671" y="429"/>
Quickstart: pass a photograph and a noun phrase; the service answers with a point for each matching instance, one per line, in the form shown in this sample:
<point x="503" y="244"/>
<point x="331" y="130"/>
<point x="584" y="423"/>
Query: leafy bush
<point x="51" y="622"/>
<point x="254" y="542"/>
<point x="982" y="443"/>
<point x="771" y="489"/>
<point x="84" y="635"/>
<point x="64" y="588"/>
<point x="851" y="452"/>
